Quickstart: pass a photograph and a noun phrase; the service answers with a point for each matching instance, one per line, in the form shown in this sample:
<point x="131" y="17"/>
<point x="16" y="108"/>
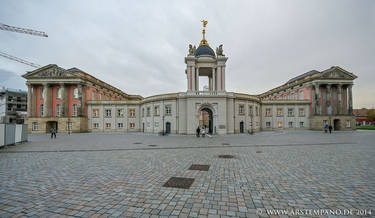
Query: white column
<point x="214" y="83"/>
<point x="328" y="101"/>
<point x="197" y="79"/>
<point x="45" y="100"/>
<point x="350" y="100"/>
<point x="318" y="106"/>
<point x="29" y="101"/>
<point x="339" y="93"/>
<point x="62" y="100"/>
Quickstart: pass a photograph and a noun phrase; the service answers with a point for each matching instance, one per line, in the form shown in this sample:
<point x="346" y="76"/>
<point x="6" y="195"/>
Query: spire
<point x="204" y="41"/>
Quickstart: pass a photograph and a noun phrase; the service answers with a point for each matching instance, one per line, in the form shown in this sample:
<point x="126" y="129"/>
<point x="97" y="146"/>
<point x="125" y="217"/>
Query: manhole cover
<point x="227" y="156"/>
<point x="152" y="145"/>
<point x="225" y="143"/>
<point x="199" y="167"/>
<point x="259" y="151"/>
<point x="137" y="143"/>
<point x="179" y="182"/>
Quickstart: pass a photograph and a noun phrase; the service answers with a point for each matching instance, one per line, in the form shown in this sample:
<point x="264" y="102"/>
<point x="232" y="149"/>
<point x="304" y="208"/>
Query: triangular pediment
<point x="337" y="73"/>
<point x="50" y="71"/>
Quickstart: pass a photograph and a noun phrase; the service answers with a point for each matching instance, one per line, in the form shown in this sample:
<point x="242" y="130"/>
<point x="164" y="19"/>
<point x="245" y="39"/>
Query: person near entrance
<point x="330" y="129"/>
<point x="53" y="132"/>
<point x="325" y="128"/>
<point x="198" y="131"/>
<point x="203" y="131"/>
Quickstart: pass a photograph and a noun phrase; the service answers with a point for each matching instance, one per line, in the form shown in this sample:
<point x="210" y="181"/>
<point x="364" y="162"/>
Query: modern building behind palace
<point x="70" y="99"/>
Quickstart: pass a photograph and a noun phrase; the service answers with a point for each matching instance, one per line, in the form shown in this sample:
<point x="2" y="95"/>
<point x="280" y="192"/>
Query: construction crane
<point x="19" y="60"/>
<point x="25" y="31"/>
<point x="22" y="30"/>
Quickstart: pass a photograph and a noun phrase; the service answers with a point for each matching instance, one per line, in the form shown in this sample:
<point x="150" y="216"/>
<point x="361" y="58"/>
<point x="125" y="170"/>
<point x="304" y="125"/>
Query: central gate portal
<point x="206" y="119"/>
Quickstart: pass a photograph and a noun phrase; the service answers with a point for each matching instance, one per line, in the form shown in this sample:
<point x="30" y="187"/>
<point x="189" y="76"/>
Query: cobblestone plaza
<point x="122" y="174"/>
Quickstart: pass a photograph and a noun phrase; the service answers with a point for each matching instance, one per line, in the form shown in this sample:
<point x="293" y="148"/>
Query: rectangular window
<point x="93" y="95"/>
<point x="75" y="93"/>
<point x="59" y="93"/>
<point x="292" y="96"/>
<point x="132" y="125"/>
<point x="120" y="125"/>
<point x="131" y="112"/>
<point x="69" y="126"/>
<point x="301" y="95"/>
<point x="75" y="110"/>
<point x="41" y="112"/>
<point x="268" y="112"/>
<point x="279" y="124"/>
<point x="290" y="112"/>
<point x="301" y="112"/>
<point x="143" y="112"/>
<point x="301" y="124"/>
<point x="148" y="111"/>
<point x="156" y="111"/>
<point x="108" y="125"/>
<point x="96" y="125"/>
<point x="268" y="124"/>
<point x="108" y="112"/>
<point x="35" y="126"/>
<point x="256" y="111"/>
<point x="58" y="110"/>
<point x="348" y="124"/>
<point x="279" y="112"/>
<point x="168" y="110"/>
<point x="251" y="111"/>
<point x="241" y="109"/>
<point x="120" y="113"/>
<point x="290" y="124"/>
<point x="95" y="112"/>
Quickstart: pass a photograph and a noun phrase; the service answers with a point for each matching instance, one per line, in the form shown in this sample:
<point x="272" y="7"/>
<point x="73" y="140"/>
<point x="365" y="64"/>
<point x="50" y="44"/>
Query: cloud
<point x="139" y="46"/>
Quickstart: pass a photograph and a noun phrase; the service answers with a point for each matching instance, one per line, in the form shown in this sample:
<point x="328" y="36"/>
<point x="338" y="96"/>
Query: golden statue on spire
<point x="204" y="41"/>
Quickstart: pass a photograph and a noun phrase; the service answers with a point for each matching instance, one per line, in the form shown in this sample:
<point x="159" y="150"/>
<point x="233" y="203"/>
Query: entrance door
<point x="336" y="124"/>
<point x="50" y="125"/>
<point x="241" y="127"/>
<point x="206" y="120"/>
<point x="168" y="127"/>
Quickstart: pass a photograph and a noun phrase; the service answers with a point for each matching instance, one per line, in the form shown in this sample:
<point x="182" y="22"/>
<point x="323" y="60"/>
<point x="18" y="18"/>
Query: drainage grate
<point x="137" y="143"/>
<point x="199" y="167"/>
<point x="259" y="151"/>
<point x="179" y="182"/>
<point x="225" y="143"/>
<point x="226" y="156"/>
<point x="152" y="145"/>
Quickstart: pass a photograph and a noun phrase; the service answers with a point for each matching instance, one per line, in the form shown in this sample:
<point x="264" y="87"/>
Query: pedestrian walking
<point x="330" y="129"/>
<point x="198" y="131"/>
<point x="53" y="133"/>
<point x="326" y="128"/>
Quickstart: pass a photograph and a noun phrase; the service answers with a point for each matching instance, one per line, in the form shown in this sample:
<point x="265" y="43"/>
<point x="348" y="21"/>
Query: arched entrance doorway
<point x="206" y="119"/>
<point x="241" y="127"/>
<point x="336" y="124"/>
<point x="168" y="128"/>
<point x="50" y="125"/>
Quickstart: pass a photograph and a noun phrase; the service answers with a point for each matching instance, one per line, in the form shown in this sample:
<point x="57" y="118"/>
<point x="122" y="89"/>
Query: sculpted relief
<point x="335" y="74"/>
<point x="53" y="72"/>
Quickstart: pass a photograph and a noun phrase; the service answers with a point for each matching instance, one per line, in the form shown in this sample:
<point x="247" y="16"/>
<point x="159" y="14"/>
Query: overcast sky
<point x="139" y="46"/>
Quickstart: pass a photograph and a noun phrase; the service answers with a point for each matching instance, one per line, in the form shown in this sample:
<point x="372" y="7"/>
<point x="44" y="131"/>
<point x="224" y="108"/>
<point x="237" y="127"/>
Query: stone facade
<point x="74" y="100"/>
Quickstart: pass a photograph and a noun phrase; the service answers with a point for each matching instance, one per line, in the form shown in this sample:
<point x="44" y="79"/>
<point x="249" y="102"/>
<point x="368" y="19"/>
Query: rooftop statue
<point x="192" y="50"/>
<point x="219" y="50"/>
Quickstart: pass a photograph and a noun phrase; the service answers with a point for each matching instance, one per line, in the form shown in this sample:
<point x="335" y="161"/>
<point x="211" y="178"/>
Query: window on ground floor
<point x="108" y="125"/>
<point x="301" y="124"/>
<point x="348" y="124"/>
<point x="35" y="126"/>
<point x="132" y="125"/>
<point x="95" y="125"/>
<point x="290" y="124"/>
<point x="120" y="125"/>
<point x="279" y="124"/>
<point x="268" y="124"/>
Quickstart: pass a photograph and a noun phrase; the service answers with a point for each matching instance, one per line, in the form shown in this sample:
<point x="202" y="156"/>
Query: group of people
<point x="328" y="128"/>
<point x="201" y="131"/>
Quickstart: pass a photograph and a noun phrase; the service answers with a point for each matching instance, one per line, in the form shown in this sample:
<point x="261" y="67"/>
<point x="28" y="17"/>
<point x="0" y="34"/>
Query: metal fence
<point x="11" y="134"/>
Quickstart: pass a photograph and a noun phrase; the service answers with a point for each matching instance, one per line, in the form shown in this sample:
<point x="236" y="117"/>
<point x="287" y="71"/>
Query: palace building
<point x="72" y="100"/>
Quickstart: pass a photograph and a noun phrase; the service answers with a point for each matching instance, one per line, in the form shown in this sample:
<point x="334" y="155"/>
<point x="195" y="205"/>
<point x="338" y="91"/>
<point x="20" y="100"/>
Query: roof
<point x="360" y="112"/>
<point x="311" y="72"/>
<point x="204" y="50"/>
